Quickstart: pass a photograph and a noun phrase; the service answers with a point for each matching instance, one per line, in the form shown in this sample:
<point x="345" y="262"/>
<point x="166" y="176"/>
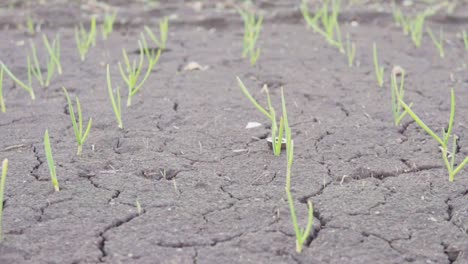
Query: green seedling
<point x="252" y="28"/>
<point x="21" y="84"/>
<point x="301" y="234"/>
<point x="271" y="114"/>
<point x="116" y="105"/>
<point x="465" y="39"/>
<point x="160" y="42"/>
<point x="350" y="51"/>
<point x="398" y="92"/>
<point x="324" y="22"/>
<point x="54" y="52"/>
<point x="30" y="26"/>
<point x="50" y="161"/>
<point x="108" y="25"/>
<point x="53" y="62"/>
<point x="2" y="101"/>
<point x="400" y="19"/>
<point x="379" y="69"/>
<point x="138" y="206"/>
<point x="84" y="39"/>
<point x="132" y="72"/>
<point x="2" y="189"/>
<point x="78" y="126"/>
<point x="444" y="140"/>
<point x="416" y="26"/>
<point x="439" y="43"/>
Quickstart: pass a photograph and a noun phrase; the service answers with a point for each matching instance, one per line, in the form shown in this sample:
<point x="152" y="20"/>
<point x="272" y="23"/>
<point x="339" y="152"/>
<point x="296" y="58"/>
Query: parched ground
<point x="380" y="192"/>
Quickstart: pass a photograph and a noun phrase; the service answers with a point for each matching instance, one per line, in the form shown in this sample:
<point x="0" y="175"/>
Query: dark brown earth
<point x="381" y="193"/>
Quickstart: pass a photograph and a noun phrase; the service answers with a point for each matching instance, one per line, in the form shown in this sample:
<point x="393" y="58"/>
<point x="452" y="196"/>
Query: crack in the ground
<point x="34" y="170"/>
<point x="402" y="129"/>
<point x="102" y="235"/>
<point x="43" y="208"/>
<point x="212" y="243"/>
<point x="452" y="253"/>
<point x="364" y="173"/>
<point x="343" y="108"/>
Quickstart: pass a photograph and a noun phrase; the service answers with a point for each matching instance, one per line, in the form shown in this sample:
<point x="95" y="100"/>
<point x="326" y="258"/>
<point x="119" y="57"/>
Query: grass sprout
<point x="465" y="39"/>
<point x="252" y="28"/>
<point x="379" y="69"/>
<point x="138" y="206"/>
<point x="2" y="101"/>
<point x="116" y="105"/>
<point x="301" y="234"/>
<point x="54" y="52"/>
<point x="350" y="51"/>
<point x="324" y="22"/>
<point x="133" y="70"/>
<point x="2" y="189"/>
<point x="448" y="157"/>
<point x="276" y="133"/>
<point x="416" y="26"/>
<point x="50" y="161"/>
<point x="85" y="39"/>
<point x="108" y="25"/>
<point x="398" y="92"/>
<point x="439" y="43"/>
<point x="53" y="61"/>
<point x="78" y="126"/>
<point x="21" y="84"/>
<point x="30" y="26"/>
<point x="161" y="42"/>
<point x="400" y="19"/>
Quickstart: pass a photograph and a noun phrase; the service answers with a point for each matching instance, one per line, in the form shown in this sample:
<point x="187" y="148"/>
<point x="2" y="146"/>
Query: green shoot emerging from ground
<point x="2" y="101"/>
<point x="84" y="39"/>
<point x="444" y="141"/>
<point x="53" y="61"/>
<point x="78" y="126"/>
<point x="325" y="23"/>
<point x="398" y="92"/>
<point x="30" y="26"/>
<point x="379" y="70"/>
<point x="439" y="43"/>
<point x="108" y="25"/>
<point x="350" y="51"/>
<point x="416" y="26"/>
<point x="18" y="82"/>
<point x="301" y="234"/>
<point x="160" y="42"/>
<point x="252" y="28"/>
<point x="132" y="72"/>
<point x="277" y="140"/>
<point x="116" y="105"/>
<point x="400" y="19"/>
<point x="2" y="189"/>
<point x="50" y="161"/>
<point x="465" y="39"/>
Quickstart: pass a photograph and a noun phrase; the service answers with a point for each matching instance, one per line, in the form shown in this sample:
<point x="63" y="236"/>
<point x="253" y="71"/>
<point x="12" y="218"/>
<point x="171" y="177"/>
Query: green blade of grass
<point x="18" y="82"/>
<point x="50" y="161"/>
<point x="116" y="106"/>
<point x="421" y="123"/>
<point x="2" y="190"/>
<point x="72" y="116"/>
<point x="252" y="100"/>
<point x="451" y="119"/>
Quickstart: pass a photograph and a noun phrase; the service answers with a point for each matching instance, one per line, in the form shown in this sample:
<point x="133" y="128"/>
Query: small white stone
<point x="253" y="125"/>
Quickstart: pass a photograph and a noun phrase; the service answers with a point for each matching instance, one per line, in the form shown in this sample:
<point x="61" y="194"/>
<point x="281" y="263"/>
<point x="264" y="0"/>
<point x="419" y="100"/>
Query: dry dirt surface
<point x="210" y="190"/>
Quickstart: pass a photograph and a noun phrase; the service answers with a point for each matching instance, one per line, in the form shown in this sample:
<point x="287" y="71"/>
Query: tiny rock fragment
<point x="252" y="125"/>
<point x="192" y="66"/>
